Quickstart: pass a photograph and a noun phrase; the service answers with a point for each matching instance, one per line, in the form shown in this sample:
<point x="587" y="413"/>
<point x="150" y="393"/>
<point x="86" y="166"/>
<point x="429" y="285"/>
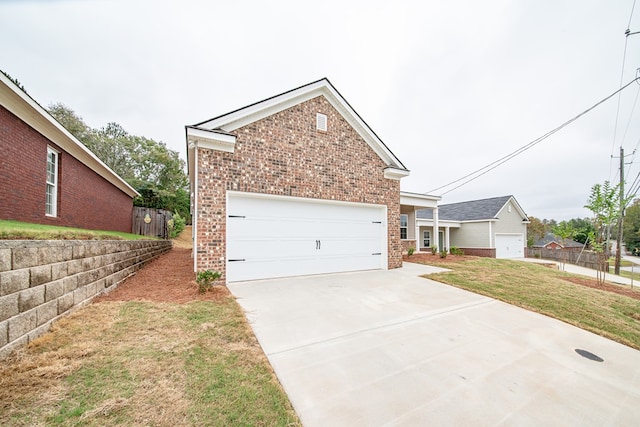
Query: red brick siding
<point x="483" y="252"/>
<point x="85" y="199"/>
<point x="284" y="154"/>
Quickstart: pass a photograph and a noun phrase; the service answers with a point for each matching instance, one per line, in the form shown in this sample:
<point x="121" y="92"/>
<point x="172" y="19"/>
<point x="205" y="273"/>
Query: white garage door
<point x="270" y="236"/>
<point x="509" y="246"/>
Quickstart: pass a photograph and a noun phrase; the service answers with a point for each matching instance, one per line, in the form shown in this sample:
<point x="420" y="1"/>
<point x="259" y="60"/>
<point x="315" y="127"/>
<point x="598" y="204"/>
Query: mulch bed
<point x="168" y="278"/>
<point x="609" y="287"/>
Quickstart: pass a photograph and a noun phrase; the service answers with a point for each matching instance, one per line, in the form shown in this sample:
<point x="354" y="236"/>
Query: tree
<point x="583" y="227"/>
<point x="154" y="170"/>
<point x="603" y="202"/>
<point x="564" y="231"/>
<point x="536" y="230"/>
<point x="631" y="228"/>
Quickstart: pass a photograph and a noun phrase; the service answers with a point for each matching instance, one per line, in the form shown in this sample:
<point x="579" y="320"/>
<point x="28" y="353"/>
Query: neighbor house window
<point x="404" y="223"/>
<point x="52" y="182"/>
<point x="426" y="239"/>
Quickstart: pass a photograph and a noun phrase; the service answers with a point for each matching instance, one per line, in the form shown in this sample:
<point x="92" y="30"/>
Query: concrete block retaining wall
<point x="40" y="281"/>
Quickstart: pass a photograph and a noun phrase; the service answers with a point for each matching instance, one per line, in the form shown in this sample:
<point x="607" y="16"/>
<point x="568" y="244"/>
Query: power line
<point x="491" y="166"/>
<point x="624" y="58"/>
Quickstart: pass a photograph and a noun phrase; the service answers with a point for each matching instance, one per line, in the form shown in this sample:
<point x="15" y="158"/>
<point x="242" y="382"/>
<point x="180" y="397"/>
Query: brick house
<point x="49" y="177"/>
<point x="296" y="184"/>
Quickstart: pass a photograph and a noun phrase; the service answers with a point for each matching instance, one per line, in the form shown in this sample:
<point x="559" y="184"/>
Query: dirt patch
<point x="428" y="258"/>
<point x="608" y="287"/>
<point x="168" y="278"/>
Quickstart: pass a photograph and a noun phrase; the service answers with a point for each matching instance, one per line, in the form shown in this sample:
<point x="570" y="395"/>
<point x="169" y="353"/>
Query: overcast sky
<point x="448" y="86"/>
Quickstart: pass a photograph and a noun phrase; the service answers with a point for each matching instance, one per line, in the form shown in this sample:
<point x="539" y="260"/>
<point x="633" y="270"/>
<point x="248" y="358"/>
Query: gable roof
<point x="474" y="210"/>
<point x="20" y="104"/>
<point x="550" y="238"/>
<point x="218" y="129"/>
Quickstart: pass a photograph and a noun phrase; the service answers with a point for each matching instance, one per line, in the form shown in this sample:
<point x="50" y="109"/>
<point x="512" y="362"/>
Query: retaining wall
<point x="40" y="281"/>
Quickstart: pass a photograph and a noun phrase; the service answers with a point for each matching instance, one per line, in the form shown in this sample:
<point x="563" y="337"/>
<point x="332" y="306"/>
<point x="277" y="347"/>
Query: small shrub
<point x="410" y="251"/>
<point x="456" y="251"/>
<point x="206" y="279"/>
<point x="176" y="224"/>
<point x="443" y="253"/>
<point x="434" y="250"/>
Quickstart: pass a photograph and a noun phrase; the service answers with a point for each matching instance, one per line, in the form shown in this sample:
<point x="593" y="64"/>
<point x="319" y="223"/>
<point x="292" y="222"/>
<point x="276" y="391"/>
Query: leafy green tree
<point x="582" y="227"/>
<point x="154" y="170"/>
<point x="604" y="202"/>
<point x="631" y="227"/>
<point x="536" y="230"/>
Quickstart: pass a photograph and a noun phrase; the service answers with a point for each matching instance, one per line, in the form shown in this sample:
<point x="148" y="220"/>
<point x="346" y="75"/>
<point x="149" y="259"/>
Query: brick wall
<point x="40" y="281"/>
<point x="284" y="154"/>
<point x="406" y="244"/>
<point x="484" y="252"/>
<point x="85" y="199"/>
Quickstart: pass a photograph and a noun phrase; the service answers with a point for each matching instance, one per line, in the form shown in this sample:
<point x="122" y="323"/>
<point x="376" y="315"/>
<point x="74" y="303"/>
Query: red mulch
<point x="609" y="287"/>
<point x="168" y="278"/>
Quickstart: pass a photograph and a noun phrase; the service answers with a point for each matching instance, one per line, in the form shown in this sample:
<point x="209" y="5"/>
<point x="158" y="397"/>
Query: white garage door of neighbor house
<point x="509" y="246"/>
<point x="288" y="236"/>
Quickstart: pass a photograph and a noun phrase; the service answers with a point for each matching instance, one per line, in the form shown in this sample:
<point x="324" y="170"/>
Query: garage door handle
<point x="377" y="253"/>
<point x="237" y="260"/>
<point x="318" y="244"/>
<point x="377" y="222"/>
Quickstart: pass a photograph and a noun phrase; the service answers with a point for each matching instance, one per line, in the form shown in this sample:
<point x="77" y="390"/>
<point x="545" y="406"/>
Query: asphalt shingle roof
<point x="550" y="237"/>
<point x="468" y="211"/>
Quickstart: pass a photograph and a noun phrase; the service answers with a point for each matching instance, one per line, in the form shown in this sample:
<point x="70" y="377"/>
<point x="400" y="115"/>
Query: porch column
<point x="447" y="242"/>
<point x="435" y="236"/>
<point x="417" y="227"/>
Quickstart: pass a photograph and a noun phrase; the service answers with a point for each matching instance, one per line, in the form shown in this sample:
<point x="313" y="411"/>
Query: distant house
<point x="49" y="177"/>
<point x="551" y="241"/>
<point x="494" y="227"/>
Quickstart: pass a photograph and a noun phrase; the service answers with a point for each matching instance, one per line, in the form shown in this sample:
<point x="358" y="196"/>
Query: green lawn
<point x="543" y="290"/>
<point x="145" y="363"/>
<point x="15" y="230"/>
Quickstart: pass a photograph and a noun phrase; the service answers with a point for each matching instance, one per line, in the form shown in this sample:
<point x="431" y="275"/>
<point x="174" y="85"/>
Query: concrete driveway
<point x="390" y="348"/>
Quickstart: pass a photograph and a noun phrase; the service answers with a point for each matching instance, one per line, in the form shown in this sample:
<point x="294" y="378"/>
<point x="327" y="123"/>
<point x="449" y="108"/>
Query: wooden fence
<point x="151" y="222"/>
<point x="587" y="259"/>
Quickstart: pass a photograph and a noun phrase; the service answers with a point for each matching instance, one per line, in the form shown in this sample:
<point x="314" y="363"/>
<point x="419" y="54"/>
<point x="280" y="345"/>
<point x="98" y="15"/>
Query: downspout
<point x="194" y="214"/>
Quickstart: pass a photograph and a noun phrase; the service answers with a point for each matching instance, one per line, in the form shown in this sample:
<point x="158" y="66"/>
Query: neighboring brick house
<point x="295" y="184"/>
<point x="49" y="177"/>
<point x="551" y="241"/>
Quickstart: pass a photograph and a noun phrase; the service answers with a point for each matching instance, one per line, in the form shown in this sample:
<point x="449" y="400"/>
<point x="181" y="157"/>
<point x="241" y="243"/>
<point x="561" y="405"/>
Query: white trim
<point x="418" y="200"/>
<point x="406" y="227"/>
<point x="492" y="243"/>
<point x="241" y="117"/>
<point x="194" y="214"/>
<point x="26" y="109"/>
<point x="53" y="184"/>
<point x="212" y="140"/>
<point x="395" y="173"/>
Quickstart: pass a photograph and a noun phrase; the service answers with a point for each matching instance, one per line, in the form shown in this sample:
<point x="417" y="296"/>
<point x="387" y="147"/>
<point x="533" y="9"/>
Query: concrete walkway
<point x="588" y="272"/>
<point x="389" y="348"/>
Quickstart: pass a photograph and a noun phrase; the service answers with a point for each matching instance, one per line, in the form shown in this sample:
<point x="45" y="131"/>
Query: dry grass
<point x="549" y="292"/>
<point x="143" y="363"/>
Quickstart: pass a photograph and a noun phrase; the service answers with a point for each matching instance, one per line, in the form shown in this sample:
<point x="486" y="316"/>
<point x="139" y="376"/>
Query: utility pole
<point x="619" y="245"/>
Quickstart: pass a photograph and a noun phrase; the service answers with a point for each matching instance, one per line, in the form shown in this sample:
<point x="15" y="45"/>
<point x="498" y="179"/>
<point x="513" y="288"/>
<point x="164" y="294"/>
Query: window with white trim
<point x="404" y="223"/>
<point x="426" y="239"/>
<point x="51" y="201"/>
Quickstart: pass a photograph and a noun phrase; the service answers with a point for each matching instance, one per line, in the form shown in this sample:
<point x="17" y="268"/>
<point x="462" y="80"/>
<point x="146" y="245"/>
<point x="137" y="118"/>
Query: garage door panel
<point x="278" y="237"/>
<point x="509" y="245"/>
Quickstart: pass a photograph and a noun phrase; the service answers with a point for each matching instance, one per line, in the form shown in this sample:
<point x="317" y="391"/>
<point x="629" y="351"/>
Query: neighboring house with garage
<point x="49" y="177"/>
<point x="296" y="184"/>
<point x="551" y="241"/>
<point x="494" y="227"/>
